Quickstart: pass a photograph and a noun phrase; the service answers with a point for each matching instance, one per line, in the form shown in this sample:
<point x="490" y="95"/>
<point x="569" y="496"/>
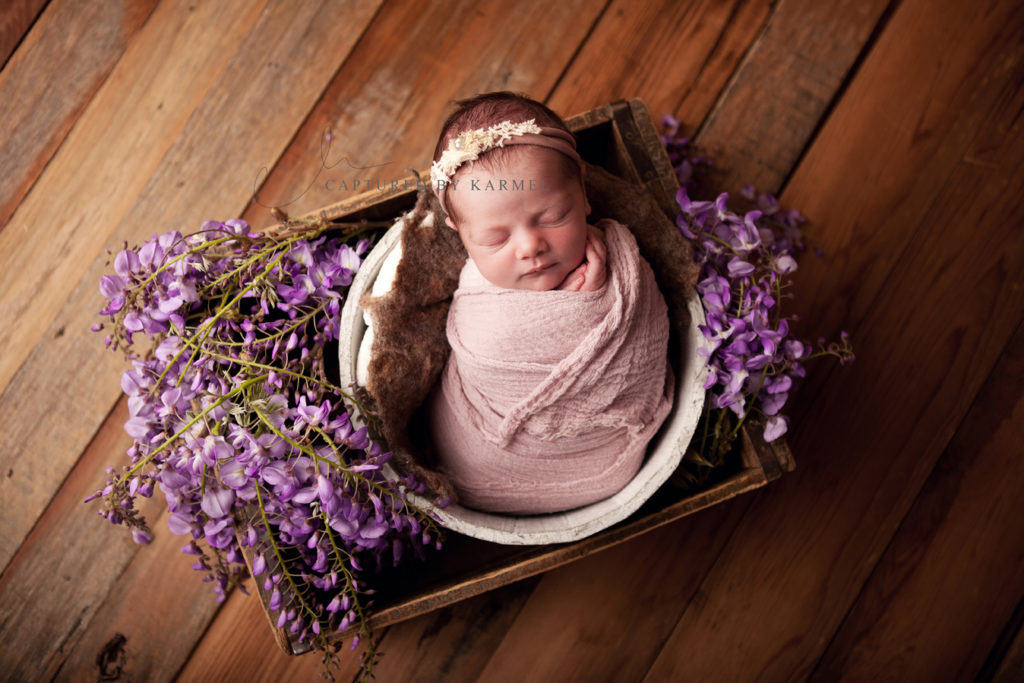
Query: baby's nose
<point x="529" y="244"/>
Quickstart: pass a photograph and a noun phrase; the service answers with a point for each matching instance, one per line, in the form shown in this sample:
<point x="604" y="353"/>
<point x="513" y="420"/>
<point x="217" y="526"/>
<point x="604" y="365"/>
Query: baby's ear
<point x="450" y="224"/>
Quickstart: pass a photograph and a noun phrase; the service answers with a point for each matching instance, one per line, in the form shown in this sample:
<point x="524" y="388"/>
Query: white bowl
<point x="663" y="455"/>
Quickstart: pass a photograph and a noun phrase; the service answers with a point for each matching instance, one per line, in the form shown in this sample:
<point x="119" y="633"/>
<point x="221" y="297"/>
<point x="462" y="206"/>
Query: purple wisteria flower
<point x="236" y="422"/>
<point x="745" y="258"/>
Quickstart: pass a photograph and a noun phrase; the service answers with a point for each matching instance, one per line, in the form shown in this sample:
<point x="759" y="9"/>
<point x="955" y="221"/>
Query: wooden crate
<point x="622" y="138"/>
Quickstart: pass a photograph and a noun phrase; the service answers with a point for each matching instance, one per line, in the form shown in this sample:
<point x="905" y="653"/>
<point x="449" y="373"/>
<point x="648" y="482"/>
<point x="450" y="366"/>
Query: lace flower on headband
<point x="470" y="145"/>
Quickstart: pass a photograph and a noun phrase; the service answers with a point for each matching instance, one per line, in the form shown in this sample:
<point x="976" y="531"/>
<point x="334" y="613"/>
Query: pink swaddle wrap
<point x="549" y="398"/>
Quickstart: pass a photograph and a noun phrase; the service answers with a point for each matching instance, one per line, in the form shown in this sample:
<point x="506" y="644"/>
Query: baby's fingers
<point x="573" y="282"/>
<point x="596" y="252"/>
<point x="596" y="240"/>
<point x="596" y="269"/>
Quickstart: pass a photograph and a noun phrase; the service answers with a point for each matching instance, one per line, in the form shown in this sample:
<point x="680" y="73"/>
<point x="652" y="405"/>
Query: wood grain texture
<point x="904" y="124"/>
<point x="454" y="643"/>
<point x="144" y="98"/>
<point x="952" y="575"/>
<point x="222" y="655"/>
<point x="197" y="178"/>
<point x="71" y="553"/>
<point x="15" y="22"/>
<point x="870" y="439"/>
<point x="962" y="532"/>
<point x="676" y="56"/>
<point x="49" y="81"/>
<point x="158" y="603"/>
<point x="786" y="83"/>
<point x="65" y="222"/>
<point x="386" y="105"/>
<point x="605" y="617"/>
<point x="1010" y="668"/>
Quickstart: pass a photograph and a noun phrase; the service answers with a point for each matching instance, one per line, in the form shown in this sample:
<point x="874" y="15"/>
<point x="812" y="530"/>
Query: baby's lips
<point x="534" y="271"/>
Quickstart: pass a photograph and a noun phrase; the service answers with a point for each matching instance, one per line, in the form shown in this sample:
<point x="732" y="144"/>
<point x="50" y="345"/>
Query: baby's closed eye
<point x="554" y="216"/>
<point x="493" y="238"/>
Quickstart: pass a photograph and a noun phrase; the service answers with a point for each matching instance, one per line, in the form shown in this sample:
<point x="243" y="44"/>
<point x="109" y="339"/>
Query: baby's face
<point x="518" y="237"/>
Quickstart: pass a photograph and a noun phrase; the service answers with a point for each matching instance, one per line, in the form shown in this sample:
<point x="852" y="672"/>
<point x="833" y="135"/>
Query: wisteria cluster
<point x="235" y="420"/>
<point x="746" y="261"/>
<point x="687" y="161"/>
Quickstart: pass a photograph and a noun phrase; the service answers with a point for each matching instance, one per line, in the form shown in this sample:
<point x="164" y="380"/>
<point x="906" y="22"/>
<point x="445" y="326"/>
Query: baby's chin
<point x="537" y="283"/>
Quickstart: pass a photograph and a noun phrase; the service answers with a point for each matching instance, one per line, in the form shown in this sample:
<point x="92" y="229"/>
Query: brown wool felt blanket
<point x="549" y="398"/>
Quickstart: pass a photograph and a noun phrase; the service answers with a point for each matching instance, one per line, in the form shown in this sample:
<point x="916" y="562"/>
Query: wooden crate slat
<point x="46" y="86"/>
<point x="546" y="558"/>
<point x="196" y="179"/>
<point x="873" y="435"/>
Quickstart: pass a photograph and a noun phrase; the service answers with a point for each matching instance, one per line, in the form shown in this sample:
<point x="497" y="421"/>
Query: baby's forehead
<point x="522" y="162"/>
<point x="537" y="174"/>
<point x="517" y="156"/>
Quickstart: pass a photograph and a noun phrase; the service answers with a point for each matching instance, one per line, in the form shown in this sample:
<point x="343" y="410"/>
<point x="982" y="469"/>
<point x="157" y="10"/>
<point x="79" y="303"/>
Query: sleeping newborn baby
<point x="558" y="375"/>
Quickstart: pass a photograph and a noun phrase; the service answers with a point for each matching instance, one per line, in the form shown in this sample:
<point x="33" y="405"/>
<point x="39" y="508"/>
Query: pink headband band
<point x="470" y="145"/>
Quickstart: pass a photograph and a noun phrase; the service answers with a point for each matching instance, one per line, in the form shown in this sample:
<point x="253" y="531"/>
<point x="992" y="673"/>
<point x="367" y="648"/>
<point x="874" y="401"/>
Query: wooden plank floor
<point x="894" y="552"/>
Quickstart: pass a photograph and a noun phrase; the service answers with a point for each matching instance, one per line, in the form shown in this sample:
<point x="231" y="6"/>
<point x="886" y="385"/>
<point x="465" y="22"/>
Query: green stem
<point x="364" y="628"/>
<point x="208" y="324"/>
<point x="718" y="429"/>
<point x="298" y="323"/>
<point x="280" y="558"/>
<point x="357" y="478"/>
<point x="202" y="414"/>
<point x="284" y="371"/>
<point x="260" y="253"/>
<point x="753" y="399"/>
<point x="354" y="477"/>
<point x="142" y="285"/>
<point x="704" y="435"/>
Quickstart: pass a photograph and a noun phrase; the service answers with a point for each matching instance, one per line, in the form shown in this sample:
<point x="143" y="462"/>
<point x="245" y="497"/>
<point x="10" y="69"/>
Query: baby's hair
<point x="488" y="109"/>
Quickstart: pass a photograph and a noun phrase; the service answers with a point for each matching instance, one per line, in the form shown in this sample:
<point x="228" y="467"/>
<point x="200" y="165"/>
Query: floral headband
<point x="468" y="146"/>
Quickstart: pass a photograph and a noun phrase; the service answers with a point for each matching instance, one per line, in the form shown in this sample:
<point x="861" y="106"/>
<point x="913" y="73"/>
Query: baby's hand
<point x="590" y="275"/>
